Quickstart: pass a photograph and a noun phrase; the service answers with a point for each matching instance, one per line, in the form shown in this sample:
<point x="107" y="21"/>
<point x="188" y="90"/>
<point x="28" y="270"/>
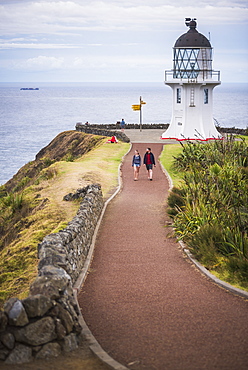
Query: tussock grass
<point x="209" y="209"/>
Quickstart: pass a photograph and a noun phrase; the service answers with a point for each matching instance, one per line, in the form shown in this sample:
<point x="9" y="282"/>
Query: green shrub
<point x="69" y="158"/>
<point x="210" y="212"/>
<point x="12" y="201"/>
<point x="175" y="201"/>
<point x="205" y="244"/>
<point x="175" y="198"/>
<point x="47" y="174"/>
<point x="21" y="184"/>
<point x="47" y="161"/>
<point x="238" y="268"/>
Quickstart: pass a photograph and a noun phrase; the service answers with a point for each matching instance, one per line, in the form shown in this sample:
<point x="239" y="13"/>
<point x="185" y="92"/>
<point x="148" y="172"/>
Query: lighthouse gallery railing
<point x="192" y="76"/>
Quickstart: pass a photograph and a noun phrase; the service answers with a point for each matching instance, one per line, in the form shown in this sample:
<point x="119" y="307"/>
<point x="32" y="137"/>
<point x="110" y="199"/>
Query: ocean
<point x="30" y="119"/>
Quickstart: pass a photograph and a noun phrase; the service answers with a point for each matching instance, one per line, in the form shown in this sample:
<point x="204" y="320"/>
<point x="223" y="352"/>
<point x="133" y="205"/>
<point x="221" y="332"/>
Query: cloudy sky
<point x="115" y="40"/>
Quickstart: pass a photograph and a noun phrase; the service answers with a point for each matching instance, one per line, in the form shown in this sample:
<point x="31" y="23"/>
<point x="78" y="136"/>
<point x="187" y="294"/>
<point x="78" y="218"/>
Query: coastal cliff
<point x="67" y="146"/>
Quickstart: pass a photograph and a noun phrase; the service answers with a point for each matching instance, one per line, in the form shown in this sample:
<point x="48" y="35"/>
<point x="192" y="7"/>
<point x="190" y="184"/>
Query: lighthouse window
<point x="179" y="95"/>
<point x="205" y="96"/>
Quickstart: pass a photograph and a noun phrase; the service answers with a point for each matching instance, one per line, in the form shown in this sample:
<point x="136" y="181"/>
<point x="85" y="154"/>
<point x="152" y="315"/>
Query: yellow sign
<point x="142" y="102"/>
<point x="136" y="107"/>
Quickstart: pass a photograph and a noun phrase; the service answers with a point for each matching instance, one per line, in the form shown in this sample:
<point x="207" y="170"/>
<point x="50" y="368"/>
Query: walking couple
<point x="149" y="162"/>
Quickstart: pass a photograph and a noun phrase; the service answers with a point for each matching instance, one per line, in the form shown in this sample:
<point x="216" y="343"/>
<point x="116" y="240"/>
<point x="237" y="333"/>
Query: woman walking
<point x="136" y="163"/>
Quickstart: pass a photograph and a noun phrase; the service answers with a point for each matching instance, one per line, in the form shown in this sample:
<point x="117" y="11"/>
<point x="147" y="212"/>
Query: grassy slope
<point x="18" y="261"/>
<point x="167" y="157"/>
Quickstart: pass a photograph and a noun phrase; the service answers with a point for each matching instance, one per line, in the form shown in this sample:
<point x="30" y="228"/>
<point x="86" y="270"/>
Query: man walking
<point x="149" y="162"/>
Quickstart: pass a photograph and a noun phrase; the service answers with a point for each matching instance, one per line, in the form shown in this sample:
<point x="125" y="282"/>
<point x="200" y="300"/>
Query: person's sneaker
<point x="150" y="179"/>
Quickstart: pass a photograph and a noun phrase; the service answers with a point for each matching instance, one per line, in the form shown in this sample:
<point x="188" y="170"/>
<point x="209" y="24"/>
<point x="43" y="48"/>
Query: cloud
<point x="45" y="63"/>
<point x="13" y="45"/>
<point x="40" y="63"/>
<point x="123" y="62"/>
<point x="112" y="35"/>
<point x="65" y="17"/>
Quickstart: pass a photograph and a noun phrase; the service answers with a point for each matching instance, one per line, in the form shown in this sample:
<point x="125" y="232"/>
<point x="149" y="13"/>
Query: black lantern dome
<point x="192" y="38"/>
<point x="192" y="54"/>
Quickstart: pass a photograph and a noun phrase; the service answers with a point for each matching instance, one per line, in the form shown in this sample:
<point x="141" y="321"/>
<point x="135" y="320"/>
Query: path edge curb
<point x="86" y="333"/>
<point x="206" y="272"/>
<point x="203" y="269"/>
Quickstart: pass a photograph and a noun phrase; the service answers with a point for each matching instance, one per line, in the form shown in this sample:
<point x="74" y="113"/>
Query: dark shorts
<point x="149" y="167"/>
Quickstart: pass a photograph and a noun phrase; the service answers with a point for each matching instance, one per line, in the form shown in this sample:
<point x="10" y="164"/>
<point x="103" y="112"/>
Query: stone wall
<point x="47" y="322"/>
<point x="102" y="131"/>
<point x="111" y="129"/>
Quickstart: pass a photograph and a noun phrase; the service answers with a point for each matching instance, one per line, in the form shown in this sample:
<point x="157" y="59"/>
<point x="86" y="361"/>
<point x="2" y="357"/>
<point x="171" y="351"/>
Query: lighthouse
<point x="192" y="80"/>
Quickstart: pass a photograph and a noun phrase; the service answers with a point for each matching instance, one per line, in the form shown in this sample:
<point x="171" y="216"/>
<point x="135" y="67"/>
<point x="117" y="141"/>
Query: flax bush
<point x="213" y="220"/>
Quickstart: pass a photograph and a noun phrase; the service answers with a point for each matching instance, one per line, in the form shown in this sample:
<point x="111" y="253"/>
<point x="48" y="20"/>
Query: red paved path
<point x="144" y="302"/>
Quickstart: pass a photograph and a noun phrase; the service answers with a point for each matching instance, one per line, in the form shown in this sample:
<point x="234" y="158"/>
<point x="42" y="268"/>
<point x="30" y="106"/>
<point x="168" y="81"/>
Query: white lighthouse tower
<point x="192" y="81"/>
